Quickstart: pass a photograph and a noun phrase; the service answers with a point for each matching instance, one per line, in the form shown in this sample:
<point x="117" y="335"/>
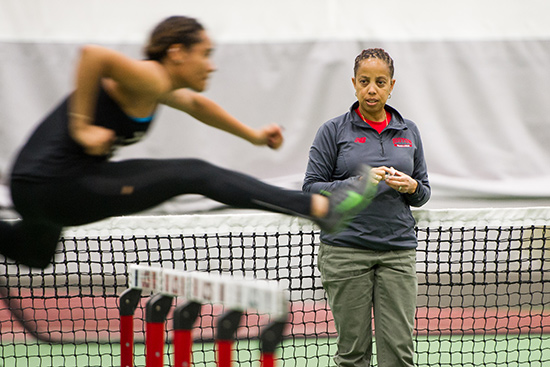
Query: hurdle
<point x="236" y="294"/>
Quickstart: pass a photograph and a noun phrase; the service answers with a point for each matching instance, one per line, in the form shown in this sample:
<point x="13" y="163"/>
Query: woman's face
<point x="373" y="85"/>
<point x="195" y="65"/>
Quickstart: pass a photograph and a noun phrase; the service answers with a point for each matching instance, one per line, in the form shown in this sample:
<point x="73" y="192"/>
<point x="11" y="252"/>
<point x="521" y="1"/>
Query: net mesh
<point x="484" y="288"/>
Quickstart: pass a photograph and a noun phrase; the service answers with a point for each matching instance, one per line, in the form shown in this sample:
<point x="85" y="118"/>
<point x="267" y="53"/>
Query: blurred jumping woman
<point x="63" y="175"/>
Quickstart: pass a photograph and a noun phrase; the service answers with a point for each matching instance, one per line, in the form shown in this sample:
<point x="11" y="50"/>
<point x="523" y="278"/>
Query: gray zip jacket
<point x="345" y="142"/>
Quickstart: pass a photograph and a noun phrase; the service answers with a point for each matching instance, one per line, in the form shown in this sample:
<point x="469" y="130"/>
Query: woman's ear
<point x="392" y="85"/>
<point x="175" y="53"/>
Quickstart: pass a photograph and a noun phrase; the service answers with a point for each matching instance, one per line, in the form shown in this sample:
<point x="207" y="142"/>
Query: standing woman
<point x="370" y="267"/>
<point x="63" y="175"/>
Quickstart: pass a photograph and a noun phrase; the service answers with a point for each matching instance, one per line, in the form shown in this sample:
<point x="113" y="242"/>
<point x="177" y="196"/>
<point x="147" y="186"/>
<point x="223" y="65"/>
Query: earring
<point x="389" y="96"/>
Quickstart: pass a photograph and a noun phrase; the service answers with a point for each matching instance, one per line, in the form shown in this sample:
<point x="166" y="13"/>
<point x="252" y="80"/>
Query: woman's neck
<point x="377" y="117"/>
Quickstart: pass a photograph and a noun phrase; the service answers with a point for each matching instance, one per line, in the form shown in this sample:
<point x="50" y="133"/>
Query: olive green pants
<point x="361" y="284"/>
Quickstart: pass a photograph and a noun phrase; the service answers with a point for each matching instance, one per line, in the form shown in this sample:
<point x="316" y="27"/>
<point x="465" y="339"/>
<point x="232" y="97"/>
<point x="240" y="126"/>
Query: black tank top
<point x="50" y="152"/>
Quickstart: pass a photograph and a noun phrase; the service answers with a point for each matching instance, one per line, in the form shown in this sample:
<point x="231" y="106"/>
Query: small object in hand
<point x="391" y="173"/>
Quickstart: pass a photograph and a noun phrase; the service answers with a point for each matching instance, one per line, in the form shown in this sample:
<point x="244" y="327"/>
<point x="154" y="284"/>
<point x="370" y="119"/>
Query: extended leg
<point x="122" y="188"/>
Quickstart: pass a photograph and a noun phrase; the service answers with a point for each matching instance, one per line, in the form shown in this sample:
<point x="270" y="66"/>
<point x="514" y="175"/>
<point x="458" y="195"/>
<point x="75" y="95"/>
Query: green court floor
<point x="472" y="351"/>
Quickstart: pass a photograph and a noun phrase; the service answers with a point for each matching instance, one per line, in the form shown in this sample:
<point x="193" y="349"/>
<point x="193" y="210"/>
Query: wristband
<point x="80" y="116"/>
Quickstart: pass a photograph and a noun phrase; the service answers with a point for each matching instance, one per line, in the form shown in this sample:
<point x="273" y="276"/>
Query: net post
<point x="225" y="334"/>
<point x="127" y="305"/>
<point x="156" y="310"/>
<point x="185" y="316"/>
<point x="270" y="338"/>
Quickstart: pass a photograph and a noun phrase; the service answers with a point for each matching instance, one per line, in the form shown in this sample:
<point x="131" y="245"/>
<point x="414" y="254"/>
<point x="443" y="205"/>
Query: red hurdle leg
<point x="127" y="305"/>
<point x="267" y="359"/>
<point x="270" y="338"/>
<point x="156" y="310"/>
<point x="184" y="319"/>
<point x="225" y="335"/>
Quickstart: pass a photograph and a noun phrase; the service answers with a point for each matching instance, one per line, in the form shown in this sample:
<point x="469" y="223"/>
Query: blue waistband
<point x="142" y="119"/>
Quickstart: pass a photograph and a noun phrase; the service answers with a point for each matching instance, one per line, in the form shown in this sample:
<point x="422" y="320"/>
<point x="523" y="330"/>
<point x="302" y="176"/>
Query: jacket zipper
<point x="383" y="153"/>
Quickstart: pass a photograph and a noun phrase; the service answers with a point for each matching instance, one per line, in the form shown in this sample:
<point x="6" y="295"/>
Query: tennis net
<point x="484" y="288"/>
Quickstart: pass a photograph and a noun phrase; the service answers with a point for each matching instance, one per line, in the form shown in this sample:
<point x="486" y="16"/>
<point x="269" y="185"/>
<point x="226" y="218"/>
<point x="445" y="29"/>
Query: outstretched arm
<point x="212" y="114"/>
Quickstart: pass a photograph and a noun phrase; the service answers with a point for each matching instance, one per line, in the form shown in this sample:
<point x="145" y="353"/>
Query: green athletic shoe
<point x="346" y="202"/>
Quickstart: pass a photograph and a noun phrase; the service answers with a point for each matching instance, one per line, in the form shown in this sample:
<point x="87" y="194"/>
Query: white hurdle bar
<point x="233" y="292"/>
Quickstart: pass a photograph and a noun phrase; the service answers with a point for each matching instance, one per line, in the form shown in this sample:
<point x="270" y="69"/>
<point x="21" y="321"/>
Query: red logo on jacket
<point x="402" y="143"/>
<point x="361" y="140"/>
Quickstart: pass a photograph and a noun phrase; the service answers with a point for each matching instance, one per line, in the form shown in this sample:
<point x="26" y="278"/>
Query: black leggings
<point x="122" y="188"/>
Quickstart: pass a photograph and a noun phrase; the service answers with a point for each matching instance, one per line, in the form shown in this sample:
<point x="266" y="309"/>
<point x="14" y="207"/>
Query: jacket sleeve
<point x="322" y="161"/>
<point x="420" y="174"/>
